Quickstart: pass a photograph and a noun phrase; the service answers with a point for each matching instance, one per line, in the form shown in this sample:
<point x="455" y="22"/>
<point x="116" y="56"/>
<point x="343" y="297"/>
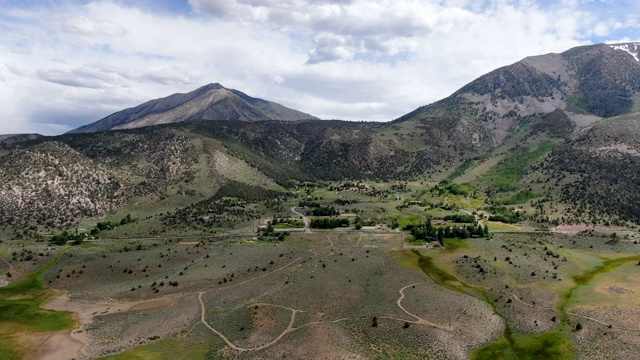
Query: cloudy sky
<point x="66" y="63"/>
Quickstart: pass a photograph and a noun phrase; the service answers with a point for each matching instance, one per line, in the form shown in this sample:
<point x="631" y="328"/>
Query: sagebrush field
<point x="328" y="294"/>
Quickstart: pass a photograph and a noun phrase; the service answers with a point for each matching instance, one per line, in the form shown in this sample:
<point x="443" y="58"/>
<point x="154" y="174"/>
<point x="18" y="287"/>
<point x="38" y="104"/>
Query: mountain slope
<point x="210" y="102"/>
<point x="163" y="167"/>
<point x="50" y="185"/>
<point x="632" y="48"/>
<point x="597" y="174"/>
<point x="587" y="83"/>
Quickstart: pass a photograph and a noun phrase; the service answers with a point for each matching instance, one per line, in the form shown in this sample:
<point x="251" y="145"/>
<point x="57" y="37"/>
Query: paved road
<point x="307" y="227"/>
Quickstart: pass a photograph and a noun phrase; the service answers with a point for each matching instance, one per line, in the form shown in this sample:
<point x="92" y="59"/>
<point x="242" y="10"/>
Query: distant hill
<point x="210" y="102"/>
<point x="14" y="138"/>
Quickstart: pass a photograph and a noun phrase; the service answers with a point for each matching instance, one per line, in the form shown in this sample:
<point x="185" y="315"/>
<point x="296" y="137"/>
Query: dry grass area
<point x="574" y="229"/>
<point x="342" y="295"/>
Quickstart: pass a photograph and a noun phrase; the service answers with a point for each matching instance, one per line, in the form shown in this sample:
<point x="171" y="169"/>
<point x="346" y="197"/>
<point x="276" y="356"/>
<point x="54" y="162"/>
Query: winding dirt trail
<point x="330" y="241"/>
<point x="419" y="320"/>
<point x="516" y="298"/>
<point x="294" y="312"/>
<point x="287" y="330"/>
<point x="602" y="322"/>
<point x="72" y="344"/>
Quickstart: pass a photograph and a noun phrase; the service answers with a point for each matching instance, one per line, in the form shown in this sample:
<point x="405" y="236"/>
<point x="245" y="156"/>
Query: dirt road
<point x="307" y="226"/>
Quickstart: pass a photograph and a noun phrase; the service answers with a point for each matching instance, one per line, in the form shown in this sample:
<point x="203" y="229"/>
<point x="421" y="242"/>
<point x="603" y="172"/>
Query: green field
<point x="20" y="311"/>
<point x="169" y="349"/>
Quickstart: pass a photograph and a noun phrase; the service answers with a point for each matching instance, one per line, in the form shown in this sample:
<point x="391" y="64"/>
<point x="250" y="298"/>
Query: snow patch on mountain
<point x="631" y="48"/>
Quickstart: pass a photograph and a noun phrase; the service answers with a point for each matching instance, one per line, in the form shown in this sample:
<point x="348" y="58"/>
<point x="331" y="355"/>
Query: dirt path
<point x="205" y="323"/>
<point x="467" y="212"/>
<point x="248" y="280"/>
<point x="290" y="327"/>
<point x="225" y="339"/>
<point x="516" y="298"/>
<point x="601" y="322"/>
<point x="418" y="320"/>
<point x="330" y="241"/>
<point x="8" y="263"/>
<point x="287" y="330"/>
<point x="15" y="273"/>
<point x="72" y="344"/>
<point x="5" y="280"/>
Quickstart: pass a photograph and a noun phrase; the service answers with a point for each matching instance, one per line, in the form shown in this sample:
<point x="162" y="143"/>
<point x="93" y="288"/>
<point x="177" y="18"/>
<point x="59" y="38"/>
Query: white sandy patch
<point x="72" y="344"/>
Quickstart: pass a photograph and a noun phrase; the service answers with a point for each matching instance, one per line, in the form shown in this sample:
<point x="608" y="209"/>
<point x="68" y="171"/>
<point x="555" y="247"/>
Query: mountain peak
<point x="209" y="102"/>
<point x="587" y="82"/>
<point x="211" y="86"/>
<point x="633" y="48"/>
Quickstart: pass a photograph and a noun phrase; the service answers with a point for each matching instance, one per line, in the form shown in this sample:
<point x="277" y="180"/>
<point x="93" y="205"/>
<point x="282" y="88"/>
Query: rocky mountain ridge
<point x="210" y="102"/>
<point x="587" y="83"/>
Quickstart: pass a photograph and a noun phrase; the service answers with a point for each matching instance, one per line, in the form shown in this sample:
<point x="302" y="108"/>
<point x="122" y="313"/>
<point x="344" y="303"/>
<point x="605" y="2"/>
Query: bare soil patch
<point x="59" y="345"/>
<point x="574" y="229"/>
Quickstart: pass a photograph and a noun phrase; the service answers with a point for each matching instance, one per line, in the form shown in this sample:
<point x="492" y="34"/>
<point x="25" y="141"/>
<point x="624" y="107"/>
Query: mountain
<point x="586" y="83"/>
<point x="555" y="133"/>
<point x="67" y="178"/>
<point x="632" y="48"/>
<point x="210" y="102"/>
<point x="596" y="174"/>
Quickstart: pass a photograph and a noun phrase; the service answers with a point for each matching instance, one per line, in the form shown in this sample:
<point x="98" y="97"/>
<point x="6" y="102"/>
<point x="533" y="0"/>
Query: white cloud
<point x="81" y="25"/>
<point x="330" y="47"/>
<point x="64" y="65"/>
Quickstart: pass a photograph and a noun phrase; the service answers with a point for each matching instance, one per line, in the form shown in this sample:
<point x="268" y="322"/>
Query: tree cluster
<point x="461" y="218"/>
<point x="328" y="223"/>
<point x="426" y="231"/>
<point x="323" y="211"/>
